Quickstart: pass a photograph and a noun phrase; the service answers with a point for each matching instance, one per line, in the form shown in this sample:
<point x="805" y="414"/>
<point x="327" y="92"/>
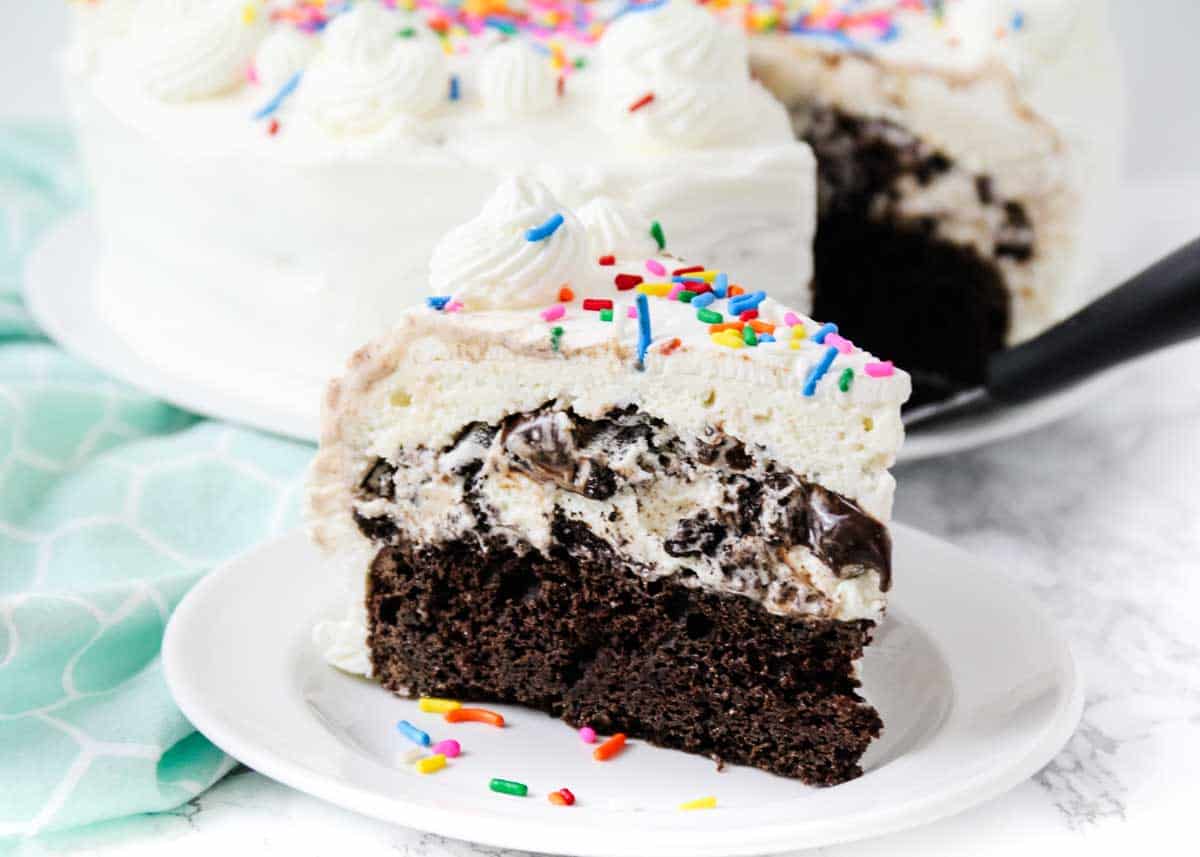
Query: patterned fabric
<point x="112" y="504"/>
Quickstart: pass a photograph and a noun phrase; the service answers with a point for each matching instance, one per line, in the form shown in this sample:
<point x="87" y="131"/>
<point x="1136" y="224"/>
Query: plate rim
<point x="551" y="837"/>
<point x="77" y="233"/>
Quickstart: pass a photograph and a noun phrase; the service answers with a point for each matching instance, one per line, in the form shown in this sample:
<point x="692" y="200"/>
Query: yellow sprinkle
<point x="658" y="290"/>
<point x="727" y="338"/>
<point x="700" y="803"/>
<point x="707" y="276"/>
<point x="797" y="344"/>
<point x="798" y="331"/>
<point x="438" y="706"/>
<point x="430" y="764"/>
<point x="249" y="13"/>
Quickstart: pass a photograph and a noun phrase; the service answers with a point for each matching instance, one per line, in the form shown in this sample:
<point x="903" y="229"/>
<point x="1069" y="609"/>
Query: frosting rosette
<point x="365" y="75"/>
<point x="515" y="80"/>
<point x="282" y="54"/>
<point x="190" y="49"/>
<point x="614" y="228"/>
<point x="522" y="248"/>
<point x="675" y="77"/>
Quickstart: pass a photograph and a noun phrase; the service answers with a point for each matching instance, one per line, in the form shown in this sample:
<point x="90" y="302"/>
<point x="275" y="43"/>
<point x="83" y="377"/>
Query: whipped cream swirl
<point x="515" y="80"/>
<point x="615" y="228"/>
<point x="284" y="52"/>
<point x="364" y="75"/>
<point x="697" y="71"/>
<point x="490" y="263"/>
<point x="190" y="49"/>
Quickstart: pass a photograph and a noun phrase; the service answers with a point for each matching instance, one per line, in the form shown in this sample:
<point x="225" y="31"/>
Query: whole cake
<point x="636" y="493"/>
<point x="271" y="177"/>
<point x="966" y="150"/>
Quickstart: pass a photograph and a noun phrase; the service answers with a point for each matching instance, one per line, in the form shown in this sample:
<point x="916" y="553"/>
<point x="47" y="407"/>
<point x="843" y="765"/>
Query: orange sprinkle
<point x="735" y="290"/>
<point x="761" y="326"/>
<point x="670" y="346"/>
<point x="565" y="295"/>
<point x="609" y="748"/>
<point x="475" y="715"/>
<point x="557" y="799"/>
<point x="726" y="325"/>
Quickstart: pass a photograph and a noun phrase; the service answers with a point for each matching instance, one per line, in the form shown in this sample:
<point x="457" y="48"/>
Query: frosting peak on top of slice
<point x="528" y="273"/>
<point x="521" y="249"/>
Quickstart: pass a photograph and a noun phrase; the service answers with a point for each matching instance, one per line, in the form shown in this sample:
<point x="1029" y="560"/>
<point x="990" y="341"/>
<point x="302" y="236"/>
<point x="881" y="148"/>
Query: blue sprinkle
<point x="741" y="303"/>
<point x="643" y="319"/>
<point x="454" y="87"/>
<point x="818" y="371"/>
<point x="702" y="300"/>
<point x="279" y="97"/>
<point x="687" y="279"/>
<point x="823" y="331"/>
<point x="438" y="302"/>
<point x="764" y="337"/>
<point x="412" y="733"/>
<point x="631" y="7"/>
<point x="1018" y="20"/>
<point x="720" y="284"/>
<point x="541" y="233"/>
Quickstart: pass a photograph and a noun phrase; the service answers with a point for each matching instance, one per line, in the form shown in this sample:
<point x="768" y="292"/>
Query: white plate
<point x="976" y="686"/>
<point x="58" y="291"/>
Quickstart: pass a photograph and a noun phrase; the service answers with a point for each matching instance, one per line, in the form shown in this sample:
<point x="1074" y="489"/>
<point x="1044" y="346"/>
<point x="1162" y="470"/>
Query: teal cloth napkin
<point x="112" y="504"/>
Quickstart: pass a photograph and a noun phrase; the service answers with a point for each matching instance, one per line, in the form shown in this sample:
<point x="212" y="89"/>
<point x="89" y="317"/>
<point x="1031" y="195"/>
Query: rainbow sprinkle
<point x="643" y="318"/>
<point x="545" y="230"/>
<point x="818" y="371"/>
<point x="279" y="97"/>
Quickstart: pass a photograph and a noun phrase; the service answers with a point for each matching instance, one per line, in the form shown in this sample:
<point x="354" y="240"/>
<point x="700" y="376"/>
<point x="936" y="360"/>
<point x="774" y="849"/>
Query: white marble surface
<point x="1099" y="516"/>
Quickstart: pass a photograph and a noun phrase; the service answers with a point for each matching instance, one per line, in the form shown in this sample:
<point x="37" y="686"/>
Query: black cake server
<point x="1152" y="310"/>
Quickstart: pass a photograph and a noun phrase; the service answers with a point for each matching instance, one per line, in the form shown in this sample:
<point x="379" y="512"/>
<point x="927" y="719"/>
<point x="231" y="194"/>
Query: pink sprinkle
<point x="879" y="370"/>
<point x="554" y="313"/>
<point x="655" y="268"/>
<point x="251" y="73"/>
<point x="841" y="343"/>
<point x="791" y="319"/>
<point x="587" y="735"/>
<point x="631" y="311"/>
<point x="453" y="306"/>
<point x="448" y="748"/>
<point x="673" y="295"/>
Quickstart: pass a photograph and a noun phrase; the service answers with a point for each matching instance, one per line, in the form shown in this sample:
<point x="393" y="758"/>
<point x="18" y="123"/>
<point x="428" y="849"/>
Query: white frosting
<point x="282" y="54"/>
<point x="489" y="262"/>
<point x="697" y="74"/>
<point x="189" y="49"/>
<point x="515" y="80"/>
<point x="615" y="229"/>
<point x="364" y="75"/>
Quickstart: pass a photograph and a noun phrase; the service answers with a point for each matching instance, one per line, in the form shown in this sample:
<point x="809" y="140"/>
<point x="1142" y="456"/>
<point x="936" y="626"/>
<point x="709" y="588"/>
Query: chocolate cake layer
<point x="937" y="307"/>
<point x="579" y="634"/>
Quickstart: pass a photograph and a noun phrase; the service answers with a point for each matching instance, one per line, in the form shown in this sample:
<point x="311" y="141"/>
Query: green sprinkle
<point x="606" y="315"/>
<point x="502" y="26"/>
<point x="708" y="316"/>
<point x="580" y="62"/>
<point x="555" y="335"/>
<point x="508" y="787"/>
<point x="407" y="32"/>
<point x="685" y="296"/>
<point x="749" y="336"/>
<point x="657" y="234"/>
<point x="846" y="380"/>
